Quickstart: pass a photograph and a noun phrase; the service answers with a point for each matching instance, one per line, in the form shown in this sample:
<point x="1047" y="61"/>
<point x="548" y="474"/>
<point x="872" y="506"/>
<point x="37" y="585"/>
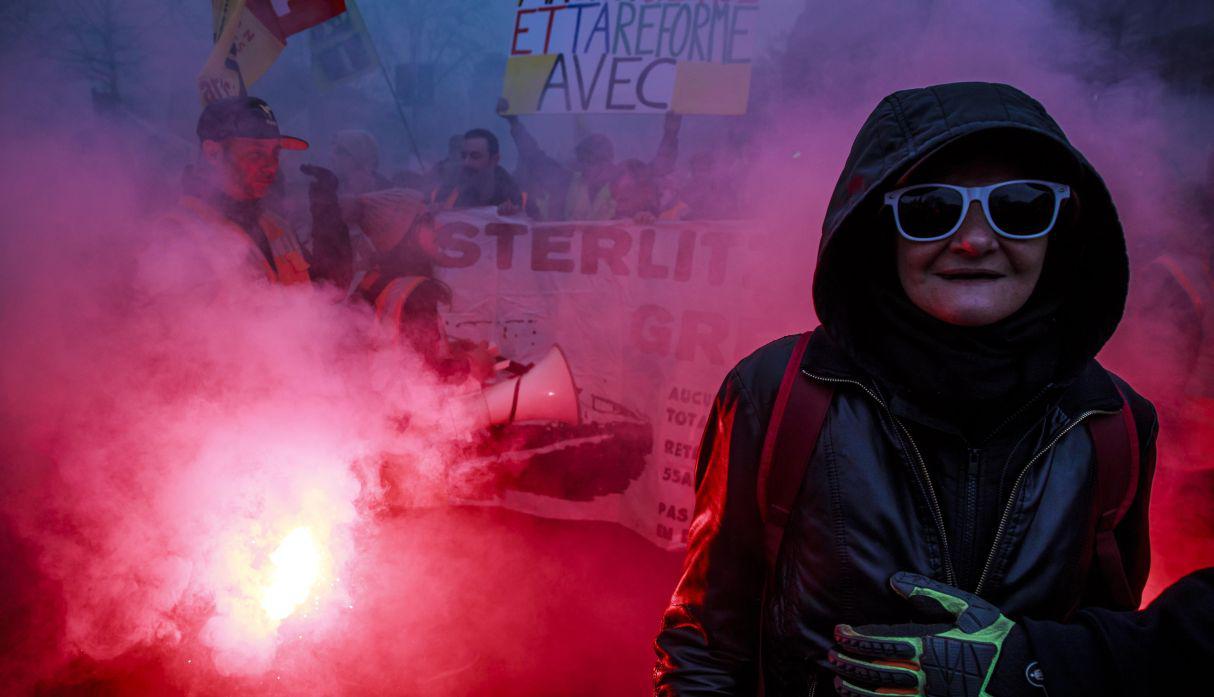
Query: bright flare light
<point x="297" y="563"/>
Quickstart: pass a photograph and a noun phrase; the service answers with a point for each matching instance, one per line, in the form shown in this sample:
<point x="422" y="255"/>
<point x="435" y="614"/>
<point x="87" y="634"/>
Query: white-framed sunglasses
<point x="1019" y="209"/>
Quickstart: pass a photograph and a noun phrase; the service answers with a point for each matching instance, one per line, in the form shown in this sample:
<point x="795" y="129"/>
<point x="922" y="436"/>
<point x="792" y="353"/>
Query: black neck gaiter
<point x="973" y="377"/>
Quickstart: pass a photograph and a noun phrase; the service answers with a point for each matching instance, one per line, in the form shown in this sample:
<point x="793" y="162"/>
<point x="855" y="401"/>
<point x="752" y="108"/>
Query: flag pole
<point x="417" y="153"/>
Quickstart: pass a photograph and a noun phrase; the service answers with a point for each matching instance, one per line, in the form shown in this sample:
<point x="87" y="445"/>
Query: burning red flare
<point x="297" y="567"/>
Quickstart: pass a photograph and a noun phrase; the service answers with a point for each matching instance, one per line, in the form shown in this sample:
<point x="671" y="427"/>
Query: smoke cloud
<point x="170" y="420"/>
<point x="167" y="422"/>
<point x="170" y="423"/>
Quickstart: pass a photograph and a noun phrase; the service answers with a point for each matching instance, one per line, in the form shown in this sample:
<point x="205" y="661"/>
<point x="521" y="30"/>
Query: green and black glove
<point x="977" y="653"/>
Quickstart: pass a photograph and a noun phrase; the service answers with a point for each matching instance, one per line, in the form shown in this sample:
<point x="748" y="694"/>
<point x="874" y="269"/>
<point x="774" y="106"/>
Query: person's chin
<point x="973" y="313"/>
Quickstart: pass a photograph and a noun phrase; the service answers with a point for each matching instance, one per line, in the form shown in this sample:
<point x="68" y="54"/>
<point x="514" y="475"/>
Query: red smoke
<point x="164" y="431"/>
<point x="169" y="422"/>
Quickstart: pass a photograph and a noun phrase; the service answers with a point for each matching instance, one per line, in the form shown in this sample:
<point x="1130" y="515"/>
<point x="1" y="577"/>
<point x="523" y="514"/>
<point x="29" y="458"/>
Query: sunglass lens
<point x="929" y="211"/>
<point x="1022" y="210"/>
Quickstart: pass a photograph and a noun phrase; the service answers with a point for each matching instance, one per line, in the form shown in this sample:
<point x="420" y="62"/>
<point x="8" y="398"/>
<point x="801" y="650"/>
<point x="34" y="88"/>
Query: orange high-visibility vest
<point x="290" y="266"/>
<point x="389" y="299"/>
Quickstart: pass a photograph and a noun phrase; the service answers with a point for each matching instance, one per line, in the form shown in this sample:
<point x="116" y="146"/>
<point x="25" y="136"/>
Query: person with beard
<point x="482" y="181"/>
<point x="238" y="164"/>
<point x="939" y="491"/>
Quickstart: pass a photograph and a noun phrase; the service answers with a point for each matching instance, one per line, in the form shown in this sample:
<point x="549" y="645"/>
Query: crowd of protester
<point x="366" y="227"/>
<point x="360" y="224"/>
<point x="375" y="221"/>
<point x="387" y="214"/>
<point x="590" y="183"/>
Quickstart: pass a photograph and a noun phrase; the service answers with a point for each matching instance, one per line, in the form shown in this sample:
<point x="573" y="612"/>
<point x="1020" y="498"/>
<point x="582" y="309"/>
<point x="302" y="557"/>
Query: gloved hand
<point x="322" y="198"/>
<point x="323" y="186"/>
<point x="332" y="252"/>
<point x="978" y="653"/>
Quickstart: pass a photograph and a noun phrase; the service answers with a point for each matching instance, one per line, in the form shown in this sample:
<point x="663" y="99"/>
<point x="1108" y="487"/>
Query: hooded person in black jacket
<point x="971" y="267"/>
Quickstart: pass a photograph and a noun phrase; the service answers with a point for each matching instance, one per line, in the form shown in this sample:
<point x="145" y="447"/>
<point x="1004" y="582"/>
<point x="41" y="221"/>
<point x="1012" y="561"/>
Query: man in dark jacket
<point x="971" y="267"/>
<point x="482" y="180"/>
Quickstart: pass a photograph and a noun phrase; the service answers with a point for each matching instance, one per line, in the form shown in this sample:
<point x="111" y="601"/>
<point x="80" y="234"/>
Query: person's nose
<point x="975" y="237"/>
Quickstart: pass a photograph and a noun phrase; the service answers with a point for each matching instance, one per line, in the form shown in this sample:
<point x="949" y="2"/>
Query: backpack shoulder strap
<point x="792" y="433"/>
<point x="1115" y="439"/>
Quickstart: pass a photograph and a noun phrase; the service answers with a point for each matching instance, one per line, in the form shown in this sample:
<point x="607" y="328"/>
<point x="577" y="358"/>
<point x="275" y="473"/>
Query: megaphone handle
<point x="507" y="365"/>
<point x="514" y="400"/>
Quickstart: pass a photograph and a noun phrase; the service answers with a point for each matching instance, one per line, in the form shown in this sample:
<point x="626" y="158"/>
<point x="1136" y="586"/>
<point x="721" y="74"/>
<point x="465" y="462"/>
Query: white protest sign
<point x="631" y="56"/>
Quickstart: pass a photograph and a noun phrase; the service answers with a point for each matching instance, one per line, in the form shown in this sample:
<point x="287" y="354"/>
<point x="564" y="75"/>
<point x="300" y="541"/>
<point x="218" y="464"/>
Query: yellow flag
<point x="248" y="39"/>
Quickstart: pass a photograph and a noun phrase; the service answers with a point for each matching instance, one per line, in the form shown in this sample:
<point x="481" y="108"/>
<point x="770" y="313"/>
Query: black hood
<point x="905" y="128"/>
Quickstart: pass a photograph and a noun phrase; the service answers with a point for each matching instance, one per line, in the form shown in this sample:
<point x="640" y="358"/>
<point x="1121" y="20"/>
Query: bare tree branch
<point x="98" y="40"/>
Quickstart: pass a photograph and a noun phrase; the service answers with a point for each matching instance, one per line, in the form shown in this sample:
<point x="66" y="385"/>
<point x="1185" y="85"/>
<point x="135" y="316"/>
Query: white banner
<point x="651" y="318"/>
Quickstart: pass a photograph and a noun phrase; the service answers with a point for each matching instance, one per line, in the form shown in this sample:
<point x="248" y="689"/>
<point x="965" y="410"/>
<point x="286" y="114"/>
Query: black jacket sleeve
<point x="332" y="258"/>
<point x="1157" y="650"/>
<point x="531" y="156"/>
<point x="708" y="642"/>
<point x="1166" y="648"/>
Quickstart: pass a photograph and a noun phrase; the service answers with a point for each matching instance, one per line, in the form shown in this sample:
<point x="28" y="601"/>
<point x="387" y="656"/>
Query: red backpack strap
<point x="792" y="433"/>
<point x="1115" y="438"/>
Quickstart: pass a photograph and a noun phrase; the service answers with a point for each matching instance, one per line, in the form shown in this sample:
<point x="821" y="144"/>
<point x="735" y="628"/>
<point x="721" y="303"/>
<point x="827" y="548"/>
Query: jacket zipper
<point x="1007" y="508"/>
<point x="937" y="517"/>
<point x="813" y="685"/>
<point x="973" y="475"/>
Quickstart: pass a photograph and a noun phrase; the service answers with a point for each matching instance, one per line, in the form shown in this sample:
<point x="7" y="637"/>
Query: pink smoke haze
<point x="169" y="420"/>
<point x="166" y="422"/>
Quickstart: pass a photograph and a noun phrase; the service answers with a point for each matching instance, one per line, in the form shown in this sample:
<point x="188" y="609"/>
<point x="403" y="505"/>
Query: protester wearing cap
<point x="225" y="190"/>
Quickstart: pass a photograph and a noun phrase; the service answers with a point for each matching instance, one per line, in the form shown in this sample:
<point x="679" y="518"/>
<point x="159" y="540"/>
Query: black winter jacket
<point x="856" y="523"/>
<point x="886" y="489"/>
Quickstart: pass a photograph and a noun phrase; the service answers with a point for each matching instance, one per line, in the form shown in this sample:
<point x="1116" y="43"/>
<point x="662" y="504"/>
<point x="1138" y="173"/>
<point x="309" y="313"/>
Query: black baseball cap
<point x="243" y="117"/>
